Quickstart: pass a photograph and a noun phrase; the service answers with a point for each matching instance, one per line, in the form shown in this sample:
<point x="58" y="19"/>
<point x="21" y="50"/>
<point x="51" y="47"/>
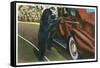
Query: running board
<point x="62" y="45"/>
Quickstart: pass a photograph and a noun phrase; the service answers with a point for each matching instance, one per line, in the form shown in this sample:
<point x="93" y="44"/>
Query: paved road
<point x="27" y="53"/>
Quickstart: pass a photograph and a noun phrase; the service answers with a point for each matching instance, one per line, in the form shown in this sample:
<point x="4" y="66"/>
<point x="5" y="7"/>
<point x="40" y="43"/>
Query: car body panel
<point x="82" y="30"/>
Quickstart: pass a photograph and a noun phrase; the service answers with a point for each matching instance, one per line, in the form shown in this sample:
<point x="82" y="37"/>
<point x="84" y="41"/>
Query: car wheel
<point x="73" y="48"/>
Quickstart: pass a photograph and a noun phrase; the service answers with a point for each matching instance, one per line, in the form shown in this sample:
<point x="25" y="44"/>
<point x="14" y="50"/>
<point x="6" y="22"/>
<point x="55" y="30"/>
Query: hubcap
<point x="73" y="48"/>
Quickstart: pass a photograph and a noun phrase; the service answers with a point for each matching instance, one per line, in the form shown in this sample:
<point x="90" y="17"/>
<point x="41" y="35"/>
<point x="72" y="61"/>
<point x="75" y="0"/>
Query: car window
<point x="90" y="10"/>
<point x="73" y="12"/>
<point x="65" y="11"/>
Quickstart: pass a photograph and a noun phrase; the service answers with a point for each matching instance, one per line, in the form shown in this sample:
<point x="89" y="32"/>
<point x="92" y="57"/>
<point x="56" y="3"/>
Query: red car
<point x="77" y="28"/>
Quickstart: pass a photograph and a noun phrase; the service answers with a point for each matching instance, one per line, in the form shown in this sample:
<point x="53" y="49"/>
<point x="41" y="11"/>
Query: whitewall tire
<point x="73" y="48"/>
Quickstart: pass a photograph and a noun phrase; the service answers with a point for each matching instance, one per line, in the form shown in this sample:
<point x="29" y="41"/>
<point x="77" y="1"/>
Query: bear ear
<point x="53" y="8"/>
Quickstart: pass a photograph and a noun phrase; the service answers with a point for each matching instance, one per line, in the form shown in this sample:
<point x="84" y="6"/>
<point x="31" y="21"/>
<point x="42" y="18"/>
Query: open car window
<point x="65" y="11"/>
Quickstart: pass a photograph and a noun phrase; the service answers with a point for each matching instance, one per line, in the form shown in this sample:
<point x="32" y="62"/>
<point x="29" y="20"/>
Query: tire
<point x="73" y="48"/>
